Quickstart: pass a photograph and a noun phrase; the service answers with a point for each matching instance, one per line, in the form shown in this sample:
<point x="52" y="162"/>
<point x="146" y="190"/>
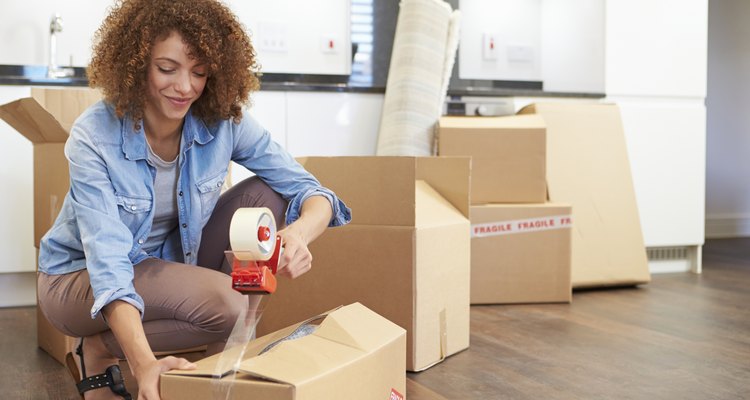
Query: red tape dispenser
<point x="256" y="249"/>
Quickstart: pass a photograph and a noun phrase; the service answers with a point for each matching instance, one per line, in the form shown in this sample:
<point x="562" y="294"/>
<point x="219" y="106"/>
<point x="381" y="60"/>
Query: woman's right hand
<point x="149" y="374"/>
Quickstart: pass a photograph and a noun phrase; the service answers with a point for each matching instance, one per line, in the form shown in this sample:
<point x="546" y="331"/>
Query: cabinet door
<point x="666" y="147"/>
<point x="656" y="48"/>
<point x="333" y="124"/>
<point x="17" y="201"/>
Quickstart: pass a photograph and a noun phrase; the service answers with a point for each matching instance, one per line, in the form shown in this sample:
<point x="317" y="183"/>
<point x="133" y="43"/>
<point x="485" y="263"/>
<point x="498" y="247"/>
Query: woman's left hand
<point x="296" y="258"/>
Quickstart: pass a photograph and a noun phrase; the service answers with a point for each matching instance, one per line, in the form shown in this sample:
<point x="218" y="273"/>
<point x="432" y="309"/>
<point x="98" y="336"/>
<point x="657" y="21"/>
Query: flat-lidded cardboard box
<point x="520" y="253"/>
<point x="588" y="168"/>
<point x="45" y="119"/>
<point x="405" y="254"/>
<point x="353" y="354"/>
<point x="507" y="156"/>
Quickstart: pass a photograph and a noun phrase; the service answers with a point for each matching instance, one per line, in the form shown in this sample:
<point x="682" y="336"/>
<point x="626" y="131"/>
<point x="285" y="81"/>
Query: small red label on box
<point x="396" y="395"/>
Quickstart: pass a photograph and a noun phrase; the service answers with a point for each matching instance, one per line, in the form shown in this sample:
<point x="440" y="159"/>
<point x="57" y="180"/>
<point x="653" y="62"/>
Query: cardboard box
<point x="507" y="156"/>
<point x="405" y="254"/>
<point x="49" y="339"/>
<point x="45" y="119"/>
<point x="588" y="168"/>
<point x="353" y="354"/>
<point x="520" y="253"/>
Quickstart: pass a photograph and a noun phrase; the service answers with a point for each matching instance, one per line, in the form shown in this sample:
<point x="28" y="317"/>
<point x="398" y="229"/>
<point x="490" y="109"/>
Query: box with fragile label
<point x="508" y="156"/>
<point x="405" y="254"/>
<point x="348" y="353"/>
<point x="520" y="253"/>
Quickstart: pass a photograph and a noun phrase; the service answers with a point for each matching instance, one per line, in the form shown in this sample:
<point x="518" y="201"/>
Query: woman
<point x="133" y="263"/>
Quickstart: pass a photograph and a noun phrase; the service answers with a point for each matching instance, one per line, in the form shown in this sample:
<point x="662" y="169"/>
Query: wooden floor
<point x="682" y="336"/>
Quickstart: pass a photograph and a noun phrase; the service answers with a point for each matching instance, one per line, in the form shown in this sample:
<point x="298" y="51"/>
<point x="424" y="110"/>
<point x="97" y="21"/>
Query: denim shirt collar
<point x="134" y="141"/>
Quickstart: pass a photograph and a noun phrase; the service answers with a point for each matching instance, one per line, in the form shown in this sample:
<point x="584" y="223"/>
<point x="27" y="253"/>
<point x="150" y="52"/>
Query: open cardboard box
<point x="353" y="354"/>
<point x="45" y="119"/>
<point x="507" y="156"/>
<point x="588" y="168"/>
<point x="405" y="254"/>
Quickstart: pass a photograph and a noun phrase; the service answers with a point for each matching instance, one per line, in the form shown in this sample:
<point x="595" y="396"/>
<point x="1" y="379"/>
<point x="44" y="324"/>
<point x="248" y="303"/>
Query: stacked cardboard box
<point x="521" y="245"/>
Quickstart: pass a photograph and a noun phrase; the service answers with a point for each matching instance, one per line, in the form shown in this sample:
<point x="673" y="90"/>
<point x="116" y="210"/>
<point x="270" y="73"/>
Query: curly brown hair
<point x="122" y="49"/>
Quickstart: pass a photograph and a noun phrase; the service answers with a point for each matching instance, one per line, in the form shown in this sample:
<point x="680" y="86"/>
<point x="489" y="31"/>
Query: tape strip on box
<point x="521" y="226"/>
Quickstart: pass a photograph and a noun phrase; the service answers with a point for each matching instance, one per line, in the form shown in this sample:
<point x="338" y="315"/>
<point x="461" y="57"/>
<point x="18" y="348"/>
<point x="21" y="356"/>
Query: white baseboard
<point x="727" y="226"/>
<point x="17" y="289"/>
<point x="665" y="267"/>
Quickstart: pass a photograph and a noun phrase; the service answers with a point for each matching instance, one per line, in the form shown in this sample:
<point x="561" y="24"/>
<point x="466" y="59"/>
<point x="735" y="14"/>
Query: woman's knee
<point x="254" y="192"/>
<point x="220" y="312"/>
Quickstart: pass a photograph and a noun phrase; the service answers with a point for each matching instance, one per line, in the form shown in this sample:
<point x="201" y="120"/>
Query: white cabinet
<point x="318" y="123"/>
<point x="656" y="71"/>
<point x="656" y="48"/>
<point x="17" y="200"/>
<point x="333" y="124"/>
<point x="666" y="144"/>
<point x="573" y="46"/>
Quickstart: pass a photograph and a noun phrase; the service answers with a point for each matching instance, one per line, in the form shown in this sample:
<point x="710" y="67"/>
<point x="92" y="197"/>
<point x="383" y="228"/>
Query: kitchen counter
<point x="36" y="75"/>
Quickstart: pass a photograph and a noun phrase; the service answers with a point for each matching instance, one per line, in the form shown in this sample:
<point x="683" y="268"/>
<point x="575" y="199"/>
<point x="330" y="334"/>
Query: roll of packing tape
<point x="252" y="233"/>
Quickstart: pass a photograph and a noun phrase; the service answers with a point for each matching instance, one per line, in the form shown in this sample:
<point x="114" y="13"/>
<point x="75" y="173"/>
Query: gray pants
<point x="185" y="306"/>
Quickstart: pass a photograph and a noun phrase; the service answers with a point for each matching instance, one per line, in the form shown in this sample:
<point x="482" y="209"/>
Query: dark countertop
<point x="35" y="75"/>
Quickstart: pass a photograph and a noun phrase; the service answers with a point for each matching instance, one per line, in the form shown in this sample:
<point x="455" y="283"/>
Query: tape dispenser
<point x="256" y="249"/>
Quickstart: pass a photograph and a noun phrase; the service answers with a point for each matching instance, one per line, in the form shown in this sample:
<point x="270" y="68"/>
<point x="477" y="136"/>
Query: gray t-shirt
<point x="165" y="191"/>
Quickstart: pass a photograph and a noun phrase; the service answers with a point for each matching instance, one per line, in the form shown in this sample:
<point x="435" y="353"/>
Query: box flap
<point x="588" y="167"/>
<point x="48" y="115"/>
<point x="449" y="176"/>
<point x="207" y="367"/>
<point x="65" y="105"/>
<point x="345" y="335"/>
<point x="379" y="190"/>
<point x="433" y="209"/>
<point x="31" y="120"/>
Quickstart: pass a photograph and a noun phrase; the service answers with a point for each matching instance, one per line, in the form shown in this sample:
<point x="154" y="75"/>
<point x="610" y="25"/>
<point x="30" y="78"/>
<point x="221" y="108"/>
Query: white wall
<point x="302" y="26"/>
<point x="24" y="30"/>
<point x="292" y="36"/>
<point x="728" y="126"/>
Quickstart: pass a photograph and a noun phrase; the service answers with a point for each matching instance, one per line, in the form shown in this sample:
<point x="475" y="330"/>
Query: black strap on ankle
<point x="112" y="378"/>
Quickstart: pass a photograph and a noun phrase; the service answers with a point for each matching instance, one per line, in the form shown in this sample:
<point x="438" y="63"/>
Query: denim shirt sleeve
<point x="106" y="240"/>
<point x="256" y="151"/>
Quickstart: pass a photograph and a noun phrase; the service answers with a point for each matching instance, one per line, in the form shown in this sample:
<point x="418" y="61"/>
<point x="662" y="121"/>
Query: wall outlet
<point x="520" y="53"/>
<point x="272" y="37"/>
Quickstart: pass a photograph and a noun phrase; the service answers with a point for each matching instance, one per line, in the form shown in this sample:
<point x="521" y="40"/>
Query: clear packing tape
<point x="230" y="359"/>
<point x="252" y="237"/>
<point x="244" y="330"/>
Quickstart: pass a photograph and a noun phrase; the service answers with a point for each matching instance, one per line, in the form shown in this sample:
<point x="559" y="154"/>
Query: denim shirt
<point x="108" y="211"/>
